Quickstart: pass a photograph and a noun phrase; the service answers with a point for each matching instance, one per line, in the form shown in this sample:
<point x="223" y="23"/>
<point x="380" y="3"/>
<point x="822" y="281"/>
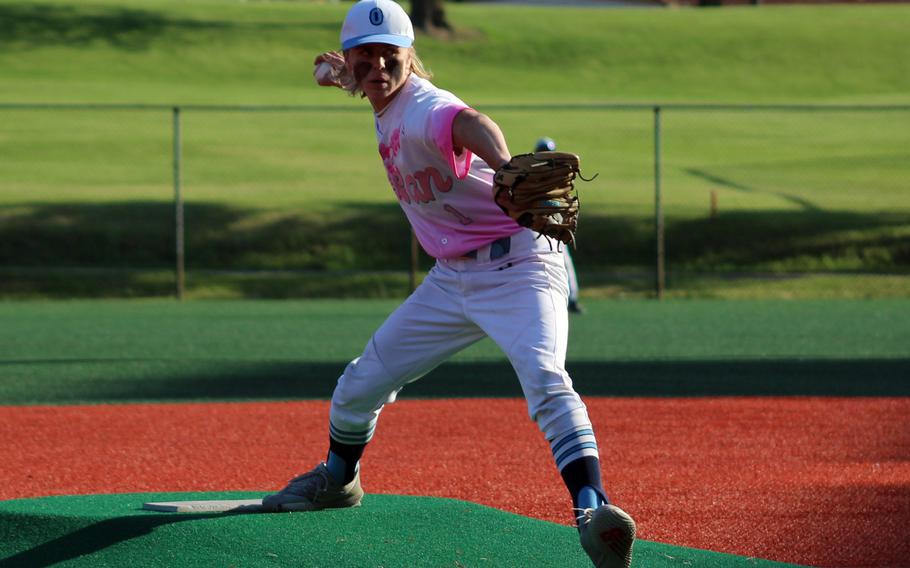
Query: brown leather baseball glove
<point x="538" y="191"/>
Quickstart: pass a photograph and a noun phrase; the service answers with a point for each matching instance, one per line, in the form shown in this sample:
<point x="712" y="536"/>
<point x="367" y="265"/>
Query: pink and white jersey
<point x="447" y="198"/>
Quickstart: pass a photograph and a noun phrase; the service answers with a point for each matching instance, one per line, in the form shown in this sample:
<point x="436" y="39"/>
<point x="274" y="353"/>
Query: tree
<point x="427" y="15"/>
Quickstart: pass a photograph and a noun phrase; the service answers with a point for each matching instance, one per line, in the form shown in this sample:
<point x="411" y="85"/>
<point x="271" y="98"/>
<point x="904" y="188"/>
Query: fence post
<point x="178" y="201"/>
<point x="412" y="275"/>
<point x="658" y="210"/>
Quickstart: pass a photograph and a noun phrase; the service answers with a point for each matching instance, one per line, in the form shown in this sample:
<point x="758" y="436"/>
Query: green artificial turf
<point x="121" y="351"/>
<point x="387" y="531"/>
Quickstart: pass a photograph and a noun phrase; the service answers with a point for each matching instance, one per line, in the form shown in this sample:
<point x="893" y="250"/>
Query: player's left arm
<point x="478" y="133"/>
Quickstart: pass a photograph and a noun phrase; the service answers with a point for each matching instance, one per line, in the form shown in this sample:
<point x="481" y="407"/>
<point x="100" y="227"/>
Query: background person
<point x="546" y="144"/>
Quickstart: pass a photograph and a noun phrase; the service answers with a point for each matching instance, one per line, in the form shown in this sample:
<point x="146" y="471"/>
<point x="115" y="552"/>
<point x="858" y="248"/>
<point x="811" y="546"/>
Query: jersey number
<point x="462" y="218"/>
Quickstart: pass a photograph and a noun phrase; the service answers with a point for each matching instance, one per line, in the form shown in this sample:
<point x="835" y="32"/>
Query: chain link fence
<point x="286" y="200"/>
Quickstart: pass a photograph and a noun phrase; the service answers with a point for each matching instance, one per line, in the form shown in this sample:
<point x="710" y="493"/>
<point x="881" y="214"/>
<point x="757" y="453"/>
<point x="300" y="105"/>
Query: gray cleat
<point x="313" y="491"/>
<point x="607" y="534"/>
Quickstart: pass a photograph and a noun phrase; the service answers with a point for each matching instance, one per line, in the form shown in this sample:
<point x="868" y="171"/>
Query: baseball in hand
<point x="324" y="73"/>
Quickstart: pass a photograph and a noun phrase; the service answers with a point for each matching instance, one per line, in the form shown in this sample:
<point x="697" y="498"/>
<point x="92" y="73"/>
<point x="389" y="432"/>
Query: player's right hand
<point x="339" y="76"/>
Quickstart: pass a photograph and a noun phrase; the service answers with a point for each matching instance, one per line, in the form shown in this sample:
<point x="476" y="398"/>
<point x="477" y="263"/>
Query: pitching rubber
<point x="217" y="506"/>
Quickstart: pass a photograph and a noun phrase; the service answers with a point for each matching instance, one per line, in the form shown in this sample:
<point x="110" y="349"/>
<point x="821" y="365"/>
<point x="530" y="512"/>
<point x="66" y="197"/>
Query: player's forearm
<point x="478" y="133"/>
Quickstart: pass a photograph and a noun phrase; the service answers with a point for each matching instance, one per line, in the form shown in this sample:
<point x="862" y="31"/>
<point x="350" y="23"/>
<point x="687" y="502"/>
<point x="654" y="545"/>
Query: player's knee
<point x="363" y="381"/>
<point x="559" y="412"/>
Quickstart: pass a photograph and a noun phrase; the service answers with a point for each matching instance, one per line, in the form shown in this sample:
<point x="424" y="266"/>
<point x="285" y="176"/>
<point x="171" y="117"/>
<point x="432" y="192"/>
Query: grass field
<point x="212" y="51"/>
<point x="796" y="191"/>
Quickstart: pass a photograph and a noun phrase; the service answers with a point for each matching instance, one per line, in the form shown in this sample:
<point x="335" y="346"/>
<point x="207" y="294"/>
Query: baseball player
<point x="492" y="277"/>
<point x="547" y="144"/>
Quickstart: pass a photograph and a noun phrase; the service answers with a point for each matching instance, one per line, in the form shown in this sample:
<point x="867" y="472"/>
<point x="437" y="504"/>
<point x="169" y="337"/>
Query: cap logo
<point x="376" y="16"/>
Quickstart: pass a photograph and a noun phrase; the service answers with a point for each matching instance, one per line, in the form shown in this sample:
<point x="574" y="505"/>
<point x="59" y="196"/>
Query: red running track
<point x="817" y="481"/>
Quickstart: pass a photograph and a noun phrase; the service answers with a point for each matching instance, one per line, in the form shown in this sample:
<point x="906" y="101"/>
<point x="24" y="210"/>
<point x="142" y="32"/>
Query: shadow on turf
<point x="32" y="26"/>
<point x="103" y="249"/>
<point x="40" y="25"/>
<point x="738" y="186"/>
<point x="97" y="537"/>
<point x="247" y="380"/>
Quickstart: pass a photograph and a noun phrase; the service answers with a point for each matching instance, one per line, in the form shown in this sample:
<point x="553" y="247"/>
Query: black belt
<point x="498" y="249"/>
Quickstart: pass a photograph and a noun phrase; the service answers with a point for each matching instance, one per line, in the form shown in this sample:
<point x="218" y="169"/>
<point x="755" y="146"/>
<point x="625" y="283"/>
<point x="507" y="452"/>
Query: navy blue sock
<point x="343" y="460"/>
<point x="582" y="478"/>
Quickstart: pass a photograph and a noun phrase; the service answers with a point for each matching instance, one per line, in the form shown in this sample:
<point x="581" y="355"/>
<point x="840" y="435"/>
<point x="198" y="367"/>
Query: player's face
<point x="380" y="70"/>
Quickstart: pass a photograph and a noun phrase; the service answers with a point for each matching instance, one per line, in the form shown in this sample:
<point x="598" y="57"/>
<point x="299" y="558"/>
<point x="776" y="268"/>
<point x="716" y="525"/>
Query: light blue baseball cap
<point x="376" y="21"/>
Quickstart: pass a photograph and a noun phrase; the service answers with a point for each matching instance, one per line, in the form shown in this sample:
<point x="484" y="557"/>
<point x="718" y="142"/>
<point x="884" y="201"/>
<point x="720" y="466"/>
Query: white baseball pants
<point x="518" y="300"/>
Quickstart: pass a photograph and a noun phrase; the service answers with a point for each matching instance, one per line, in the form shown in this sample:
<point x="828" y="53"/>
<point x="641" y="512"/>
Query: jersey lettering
<point x="419" y="188"/>
<point x="398" y="182"/>
<point x="445" y="197"/>
<point x="416" y="187"/>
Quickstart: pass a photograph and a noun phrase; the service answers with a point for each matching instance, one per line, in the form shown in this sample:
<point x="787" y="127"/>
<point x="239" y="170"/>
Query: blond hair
<point x="417" y="68"/>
